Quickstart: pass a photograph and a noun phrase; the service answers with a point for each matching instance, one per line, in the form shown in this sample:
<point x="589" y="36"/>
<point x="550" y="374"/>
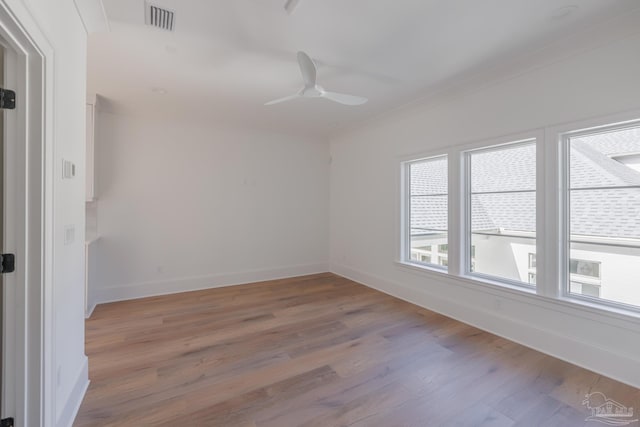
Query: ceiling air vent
<point x="160" y="18"/>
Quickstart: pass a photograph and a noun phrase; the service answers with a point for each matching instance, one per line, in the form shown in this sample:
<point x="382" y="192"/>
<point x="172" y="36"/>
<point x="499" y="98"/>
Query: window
<point x="592" y="206"/>
<point x="603" y="259"/>
<point x="585" y="289"/>
<point x="428" y="211"/>
<point x="532" y="269"/>
<point x="532" y="261"/>
<point x="502" y="211"/>
<point x="579" y="270"/>
<point x="584" y="268"/>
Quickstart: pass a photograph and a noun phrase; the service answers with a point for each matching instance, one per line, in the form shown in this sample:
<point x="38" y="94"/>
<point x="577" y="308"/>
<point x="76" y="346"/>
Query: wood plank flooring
<point x="318" y="351"/>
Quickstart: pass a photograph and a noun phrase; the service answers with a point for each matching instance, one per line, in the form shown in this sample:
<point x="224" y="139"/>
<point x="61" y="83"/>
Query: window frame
<point x="551" y="219"/>
<point x="564" y="136"/>
<point x="467" y="270"/>
<point x="405" y="241"/>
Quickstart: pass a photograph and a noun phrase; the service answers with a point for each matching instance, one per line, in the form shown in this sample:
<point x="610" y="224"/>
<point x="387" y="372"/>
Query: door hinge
<point x="7" y="265"/>
<point x="7" y="101"/>
<point x="6" y="422"/>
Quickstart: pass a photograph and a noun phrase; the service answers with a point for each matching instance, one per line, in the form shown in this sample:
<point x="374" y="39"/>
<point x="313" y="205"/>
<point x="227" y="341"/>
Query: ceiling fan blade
<point x="290" y="6"/>
<point x="308" y="69"/>
<point x="344" y="98"/>
<point x="285" y="99"/>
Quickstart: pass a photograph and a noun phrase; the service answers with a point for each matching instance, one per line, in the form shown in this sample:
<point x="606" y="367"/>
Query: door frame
<point x="29" y="380"/>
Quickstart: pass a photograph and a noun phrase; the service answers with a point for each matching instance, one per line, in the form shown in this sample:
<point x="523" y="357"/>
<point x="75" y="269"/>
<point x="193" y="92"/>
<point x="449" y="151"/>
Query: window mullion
<point x="550" y="215"/>
<point x="456" y="215"/>
<point x="405" y="238"/>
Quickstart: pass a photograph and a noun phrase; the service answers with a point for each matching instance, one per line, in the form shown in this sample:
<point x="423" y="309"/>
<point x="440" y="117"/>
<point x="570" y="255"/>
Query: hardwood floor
<point x="318" y="351"/>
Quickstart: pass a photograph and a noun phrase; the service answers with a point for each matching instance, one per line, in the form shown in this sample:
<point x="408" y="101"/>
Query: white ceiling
<point x="227" y="58"/>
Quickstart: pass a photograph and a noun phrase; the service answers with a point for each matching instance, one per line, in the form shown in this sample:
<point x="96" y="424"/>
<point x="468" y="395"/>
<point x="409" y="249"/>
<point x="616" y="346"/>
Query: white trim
<point x="476" y="281"/>
<point x="501" y="141"/>
<point x="458" y="187"/>
<point x="551" y="209"/>
<point x="90" y="310"/>
<point x="562" y="135"/>
<point x="187" y="284"/>
<point x="549" y="248"/>
<point x="596" y="123"/>
<point x="11" y="365"/>
<point x="93" y="15"/>
<point x="456" y="146"/>
<point x="81" y="384"/>
<point x="32" y="296"/>
<point x="402" y="212"/>
<point x="404" y="252"/>
<point x="612" y="362"/>
<point x="617" y="317"/>
<point x="458" y="256"/>
<point x="519" y="140"/>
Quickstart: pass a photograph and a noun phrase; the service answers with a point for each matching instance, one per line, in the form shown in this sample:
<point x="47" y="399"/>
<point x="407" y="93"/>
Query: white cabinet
<point x="90" y="148"/>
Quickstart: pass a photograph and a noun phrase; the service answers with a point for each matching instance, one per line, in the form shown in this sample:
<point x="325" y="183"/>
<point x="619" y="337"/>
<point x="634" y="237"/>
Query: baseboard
<point x="72" y="406"/>
<point x="592" y="356"/>
<point x="89" y="312"/>
<point x="186" y="284"/>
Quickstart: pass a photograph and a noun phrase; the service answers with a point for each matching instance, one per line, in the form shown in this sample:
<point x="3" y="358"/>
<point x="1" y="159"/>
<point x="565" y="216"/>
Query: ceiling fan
<point x="290" y="6"/>
<point x="312" y="90"/>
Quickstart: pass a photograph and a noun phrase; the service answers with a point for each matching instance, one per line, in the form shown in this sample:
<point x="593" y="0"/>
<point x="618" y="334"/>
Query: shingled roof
<point x="612" y="213"/>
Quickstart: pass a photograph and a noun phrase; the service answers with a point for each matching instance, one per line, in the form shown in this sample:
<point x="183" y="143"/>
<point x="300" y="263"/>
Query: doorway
<point x="2" y="246"/>
<point x="27" y="391"/>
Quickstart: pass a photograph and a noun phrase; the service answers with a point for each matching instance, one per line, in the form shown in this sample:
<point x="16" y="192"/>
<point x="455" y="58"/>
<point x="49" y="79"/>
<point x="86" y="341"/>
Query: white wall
<point x="183" y="206"/>
<point x="365" y="198"/>
<point x="63" y="29"/>
<point x="619" y="269"/>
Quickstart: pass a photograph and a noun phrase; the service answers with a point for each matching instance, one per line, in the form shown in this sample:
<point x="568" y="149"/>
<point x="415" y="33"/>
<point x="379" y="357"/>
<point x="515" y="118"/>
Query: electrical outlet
<point x="69" y="234"/>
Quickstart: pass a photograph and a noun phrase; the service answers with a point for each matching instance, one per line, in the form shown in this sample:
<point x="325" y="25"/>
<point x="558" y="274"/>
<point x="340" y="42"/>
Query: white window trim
<point x="466" y="196"/>
<point x="563" y="135"/>
<point x="404" y="254"/>
<point x="614" y="316"/>
<point x="551" y="244"/>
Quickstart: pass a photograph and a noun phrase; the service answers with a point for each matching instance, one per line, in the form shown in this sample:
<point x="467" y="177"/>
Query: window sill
<point x="416" y="266"/>
<point x="616" y="316"/>
<point x="468" y="280"/>
<point x="603" y="307"/>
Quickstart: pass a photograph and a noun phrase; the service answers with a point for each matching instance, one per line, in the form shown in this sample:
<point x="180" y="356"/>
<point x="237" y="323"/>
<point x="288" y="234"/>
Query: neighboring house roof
<point x="611" y="213"/>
